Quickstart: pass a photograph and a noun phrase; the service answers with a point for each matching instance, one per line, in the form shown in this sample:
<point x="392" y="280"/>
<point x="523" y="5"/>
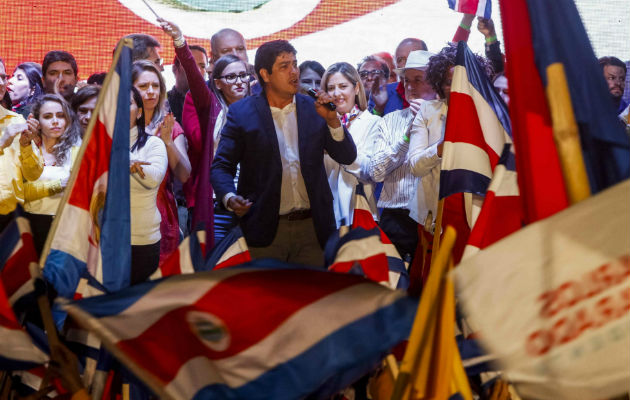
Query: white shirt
<point x="343" y="179"/>
<point x="427" y="132"/>
<point x="145" y="216"/>
<point x="389" y="163"/>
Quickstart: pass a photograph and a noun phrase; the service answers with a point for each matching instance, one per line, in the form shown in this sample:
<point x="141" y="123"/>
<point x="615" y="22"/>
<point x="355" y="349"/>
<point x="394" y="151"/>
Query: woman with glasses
<point x="230" y="82"/>
<point x="25" y="86"/>
<point x="342" y="82"/>
<point x="147" y="79"/>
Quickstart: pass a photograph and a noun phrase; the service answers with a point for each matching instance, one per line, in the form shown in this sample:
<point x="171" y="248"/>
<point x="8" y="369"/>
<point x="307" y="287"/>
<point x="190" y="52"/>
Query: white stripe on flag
<point x="310" y="324"/>
<point x="493" y="132"/>
<point x="17" y="345"/>
<point x="235" y="248"/>
<point x="359" y="249"/>
<point x="107" y="115"/>
<point x="68" y="238"/>
<point x="504" y="182"/>
<point x="476" y="158"/>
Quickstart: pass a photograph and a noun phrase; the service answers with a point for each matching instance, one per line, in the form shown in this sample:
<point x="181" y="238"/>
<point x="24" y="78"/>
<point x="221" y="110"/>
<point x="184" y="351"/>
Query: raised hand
<point x="379" y="93"/>
<point x="329" y="115"/>
<point x="170" y="28"/>
<point x="136" y="167"/>
<point x="165" y="130"/>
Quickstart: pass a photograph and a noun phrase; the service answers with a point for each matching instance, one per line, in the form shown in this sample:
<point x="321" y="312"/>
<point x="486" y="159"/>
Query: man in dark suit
<point x="279" y="138"/>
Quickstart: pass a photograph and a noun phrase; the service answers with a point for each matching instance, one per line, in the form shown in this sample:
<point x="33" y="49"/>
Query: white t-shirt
<point x="145" y="216"/>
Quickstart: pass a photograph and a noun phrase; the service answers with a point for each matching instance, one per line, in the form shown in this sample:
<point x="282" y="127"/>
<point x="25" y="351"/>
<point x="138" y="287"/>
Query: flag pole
<point x="427" y="308"/>
<point x="565" y="134"/>
<point x="42" y="298"/>
<point x="437" y="233"/>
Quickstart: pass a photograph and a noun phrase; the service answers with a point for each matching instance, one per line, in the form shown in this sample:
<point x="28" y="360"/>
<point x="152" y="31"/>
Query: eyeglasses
<point x="231" y="78"/>
<point x="372" y="74"/>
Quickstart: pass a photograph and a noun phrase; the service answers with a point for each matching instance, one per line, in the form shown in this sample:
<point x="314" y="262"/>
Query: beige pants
<point x="295" y="242"/>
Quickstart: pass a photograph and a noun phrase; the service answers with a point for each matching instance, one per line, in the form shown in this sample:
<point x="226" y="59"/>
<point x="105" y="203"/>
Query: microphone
<point x="313" y="93"/>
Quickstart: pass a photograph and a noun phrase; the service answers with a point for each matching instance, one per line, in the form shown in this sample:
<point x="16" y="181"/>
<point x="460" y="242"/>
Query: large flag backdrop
<point x="264" y="330"/>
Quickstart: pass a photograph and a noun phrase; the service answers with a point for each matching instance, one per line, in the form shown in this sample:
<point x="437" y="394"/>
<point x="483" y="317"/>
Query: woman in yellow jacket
<point x="60" y="141"/>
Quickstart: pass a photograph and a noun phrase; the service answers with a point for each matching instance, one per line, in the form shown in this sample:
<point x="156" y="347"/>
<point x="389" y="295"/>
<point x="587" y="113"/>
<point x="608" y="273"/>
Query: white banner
<point x="552" y="301"/>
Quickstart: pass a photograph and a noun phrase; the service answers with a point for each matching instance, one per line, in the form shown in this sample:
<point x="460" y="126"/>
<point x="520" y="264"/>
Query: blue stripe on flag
<point x="310" y="369"/>
<point x="452" y="4"/>
<point x="116" y="230"/>
<point x="63" y="271"/>
<point x="462" y="180"/>
<point x="8" y="240"/>
<point x="9" y="364"/>
<point x="488" y="11"/>
<point x="228" y="240"/>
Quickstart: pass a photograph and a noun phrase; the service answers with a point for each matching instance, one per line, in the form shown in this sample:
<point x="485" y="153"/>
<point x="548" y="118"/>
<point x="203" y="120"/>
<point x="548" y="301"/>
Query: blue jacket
<point x="249" y="138"/>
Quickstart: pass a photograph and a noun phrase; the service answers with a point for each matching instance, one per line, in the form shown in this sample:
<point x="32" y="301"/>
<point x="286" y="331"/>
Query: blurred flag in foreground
<point x="552" y="300"/>
<point x="266" y="330"/>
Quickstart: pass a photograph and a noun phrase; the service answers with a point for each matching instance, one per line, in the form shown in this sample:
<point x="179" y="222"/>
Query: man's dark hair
<point x="82" y="95"/>
<point x="141" y="45"/>
<point x="267" y="53"/>
<point x="614" y="61"/>
<point x="314" y="66"/>
<point x="97" y="78"/>
<point x="421" y="43"/>
<point x="192" y="47"/>
<point x="59" y="55"/>
<point x="377" y="59"/>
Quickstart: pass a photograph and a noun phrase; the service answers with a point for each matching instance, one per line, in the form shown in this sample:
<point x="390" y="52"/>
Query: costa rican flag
<point x="482" y="8"/>
<point x="231" y="251"/>
<point x="17" y="350"/>
<point x="18" y="261"/>
<point x="502" y="210"/>
<point x="93" y="228"/>
<point x="267" y="330"/>
<point x="366" y="250"/>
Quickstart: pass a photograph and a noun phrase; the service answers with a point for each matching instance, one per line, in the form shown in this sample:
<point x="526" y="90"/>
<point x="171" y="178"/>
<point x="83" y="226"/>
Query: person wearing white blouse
<point x="148" y="164"/>
<point x="342" y="82"/>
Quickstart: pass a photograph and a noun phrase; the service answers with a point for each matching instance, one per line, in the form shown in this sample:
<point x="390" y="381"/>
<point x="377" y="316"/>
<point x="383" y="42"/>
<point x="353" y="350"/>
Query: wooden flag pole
<point x="565" y="134"/>
<point x="426" y="312"/>
<point x="438" y="231"/>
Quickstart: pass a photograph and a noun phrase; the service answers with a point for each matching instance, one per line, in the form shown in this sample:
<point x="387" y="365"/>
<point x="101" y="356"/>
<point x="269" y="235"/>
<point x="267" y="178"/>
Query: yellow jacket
<point x="39" y="190"/>
<point x="17" y="164"/>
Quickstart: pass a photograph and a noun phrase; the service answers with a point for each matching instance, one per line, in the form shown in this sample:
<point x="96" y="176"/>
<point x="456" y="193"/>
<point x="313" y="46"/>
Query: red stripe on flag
<point x="465" y="126"/>
<point x="171" y="265"/>
<point x="16" y="270"/>
<point x="236" y="259"/>
<point x="499" y="217"/>
<point x="372" y="267"/>
<point x="539" y="175"/>
<point x="251" y="305"/>
<point x="95" y="164"/>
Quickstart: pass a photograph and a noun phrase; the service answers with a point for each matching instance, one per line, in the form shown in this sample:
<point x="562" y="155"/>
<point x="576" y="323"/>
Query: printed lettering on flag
<point x="552" y="300"/>
<point x="93" y="230"/>
<point x="268" y="330"/>
<point x="482" y="8"/>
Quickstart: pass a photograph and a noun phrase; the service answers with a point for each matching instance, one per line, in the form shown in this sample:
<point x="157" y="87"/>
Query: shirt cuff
<point x="336" y="133"/>
<point x="226" y="198"/>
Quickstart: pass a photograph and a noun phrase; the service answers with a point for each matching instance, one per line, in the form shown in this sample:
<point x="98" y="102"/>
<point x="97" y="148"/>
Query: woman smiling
<point x="343" y="83"/>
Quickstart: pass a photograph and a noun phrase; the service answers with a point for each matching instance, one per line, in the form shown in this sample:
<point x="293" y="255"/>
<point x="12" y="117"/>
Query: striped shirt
<point x="389" y="163"/>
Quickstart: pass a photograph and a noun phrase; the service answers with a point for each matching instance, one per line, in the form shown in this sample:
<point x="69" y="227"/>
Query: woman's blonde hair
<point x="351" y="75"/>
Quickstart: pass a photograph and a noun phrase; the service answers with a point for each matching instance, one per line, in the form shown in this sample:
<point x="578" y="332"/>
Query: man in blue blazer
<point x="279" y="138"/>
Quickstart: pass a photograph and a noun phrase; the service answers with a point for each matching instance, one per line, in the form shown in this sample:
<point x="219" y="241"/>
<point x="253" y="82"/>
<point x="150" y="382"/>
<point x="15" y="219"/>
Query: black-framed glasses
<point x="372" y="74"/>
<point x="231" y="78"/>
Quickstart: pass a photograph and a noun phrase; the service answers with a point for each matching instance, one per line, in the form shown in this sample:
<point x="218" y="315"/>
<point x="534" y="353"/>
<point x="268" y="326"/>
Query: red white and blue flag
<point x="17" y="350"/>
<point x="482" y="8"/>
<point x="231" y="251"/>
<point x="502" y="211"/>
<point x="366" y="250"/>
<point x="93" y="232"/>
<point x="18" y="261"/>
<point x="267" y="330"/>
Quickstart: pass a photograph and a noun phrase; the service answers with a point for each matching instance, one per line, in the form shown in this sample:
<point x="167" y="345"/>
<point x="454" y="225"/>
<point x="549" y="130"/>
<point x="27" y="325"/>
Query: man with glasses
<point x="373" y="72"/>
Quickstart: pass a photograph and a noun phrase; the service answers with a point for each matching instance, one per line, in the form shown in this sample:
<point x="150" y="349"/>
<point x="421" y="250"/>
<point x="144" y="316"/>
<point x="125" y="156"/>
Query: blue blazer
<point x="249" y="138"/>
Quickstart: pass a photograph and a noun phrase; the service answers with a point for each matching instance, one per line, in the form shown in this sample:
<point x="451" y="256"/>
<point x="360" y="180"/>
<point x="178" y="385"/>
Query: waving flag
<point x="477" y="129"/>
<point x="366" y="250"/>
<point x="18" y="260"/>
<point x="93" y="227"/>
<point x="502" y="212"/>
<point x="231" y="251"/>
<point x="266" y="330"/>
<point x="17" y="350"/>
<point x="482" y="8"/>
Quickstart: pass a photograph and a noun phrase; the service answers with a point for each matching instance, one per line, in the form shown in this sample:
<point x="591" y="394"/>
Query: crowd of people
<point x="285" y="166"/>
